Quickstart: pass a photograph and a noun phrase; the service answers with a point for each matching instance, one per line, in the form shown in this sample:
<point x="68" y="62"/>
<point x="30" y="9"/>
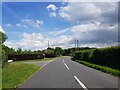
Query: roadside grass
<point x="36" y="60"/>
<point x="16" y="73"/>
<point x="105" y="69"/>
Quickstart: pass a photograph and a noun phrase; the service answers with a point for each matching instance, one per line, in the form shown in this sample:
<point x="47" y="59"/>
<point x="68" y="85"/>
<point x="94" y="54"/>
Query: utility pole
<point x="77" y="44"/>
<point x="48" y="43"/>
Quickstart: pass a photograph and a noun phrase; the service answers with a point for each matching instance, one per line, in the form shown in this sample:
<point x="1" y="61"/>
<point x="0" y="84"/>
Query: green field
<point x="101" y="68"/>
<point x="16" y="73"/>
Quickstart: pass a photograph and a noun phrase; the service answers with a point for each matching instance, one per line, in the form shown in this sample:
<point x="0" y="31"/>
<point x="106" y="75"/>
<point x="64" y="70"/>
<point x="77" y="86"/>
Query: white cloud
<point x="18" y="25"/>
<point x="9" y="25"/>
<point x="38" y="23"/>
<point x="52" y="14"/>
<point x="94" y="27"/>
<point x="80" y="12"/>
<point x="33" y="36"/>
<point x="61" y="40"/>
<point x="51" y="7"/>
<point x="35" y="41"/>
<point x="29" y="41"/>
<point x="59" y="32"/>
<point x="95" y="32"/>
<point x="89" y="12"/>
<point x="1" y="29"/>
<point x="98" y="45"/>
<point x="25" y="26"/>
<point x="34" y="23"/>
<point x="21" y="25"/>
<point x="89" y="35"/>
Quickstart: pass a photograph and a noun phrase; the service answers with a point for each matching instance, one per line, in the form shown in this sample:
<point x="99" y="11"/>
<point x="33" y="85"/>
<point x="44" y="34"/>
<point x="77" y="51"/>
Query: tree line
<point x="52" y="52"/>
<point x="108" y="56"/>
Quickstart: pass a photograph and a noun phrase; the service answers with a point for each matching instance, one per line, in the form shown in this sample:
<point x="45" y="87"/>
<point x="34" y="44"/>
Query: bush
<point x="83" y="55"/>
<point x="107" y="56"/>
<point x="104" y="56"/>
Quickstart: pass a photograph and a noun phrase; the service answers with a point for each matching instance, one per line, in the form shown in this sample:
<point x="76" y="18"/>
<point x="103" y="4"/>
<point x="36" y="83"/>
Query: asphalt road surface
<point x="65" y="73"/>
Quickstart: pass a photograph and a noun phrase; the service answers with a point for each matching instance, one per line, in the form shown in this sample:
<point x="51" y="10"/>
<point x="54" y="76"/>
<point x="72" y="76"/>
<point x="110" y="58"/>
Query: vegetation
<point x="3" y="37"/>
<point x="58" y="51"/>
<point x="102" y="68"/>
<point x="37" y="60"/>
<point x="104" y="56"/>
<point x="4" y="56"/>
<point x="16" y="73"/>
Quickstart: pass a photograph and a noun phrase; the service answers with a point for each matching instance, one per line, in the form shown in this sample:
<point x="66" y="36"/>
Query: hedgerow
<point x="103" y="56"/>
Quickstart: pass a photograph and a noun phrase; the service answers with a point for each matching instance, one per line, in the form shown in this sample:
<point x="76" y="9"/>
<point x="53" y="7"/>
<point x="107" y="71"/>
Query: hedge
<point x="25" y="57"/>
<point x="103" y="56"/>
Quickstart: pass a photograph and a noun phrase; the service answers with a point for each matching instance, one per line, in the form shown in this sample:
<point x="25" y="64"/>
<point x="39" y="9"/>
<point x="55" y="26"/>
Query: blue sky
<point x="13" y="13"/>
<point x="29" y="25"/>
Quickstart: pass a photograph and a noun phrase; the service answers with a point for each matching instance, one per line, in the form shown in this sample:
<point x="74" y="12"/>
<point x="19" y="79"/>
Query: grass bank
<point x="16" y="73"/>
<point x="36" y="60"/>
<point x="101" y="68"/>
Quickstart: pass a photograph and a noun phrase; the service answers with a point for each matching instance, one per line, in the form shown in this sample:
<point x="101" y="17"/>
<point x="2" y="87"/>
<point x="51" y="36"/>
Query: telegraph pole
<point x="77" y="44"/>
<point x="48" y="43"/>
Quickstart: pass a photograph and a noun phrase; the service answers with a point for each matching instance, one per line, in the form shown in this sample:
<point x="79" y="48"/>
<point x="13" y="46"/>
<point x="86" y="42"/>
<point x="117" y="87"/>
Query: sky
<point x="29" y="25"/>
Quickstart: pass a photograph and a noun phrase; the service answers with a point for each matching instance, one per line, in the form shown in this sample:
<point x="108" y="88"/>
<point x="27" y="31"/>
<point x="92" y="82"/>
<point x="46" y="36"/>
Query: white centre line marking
<point x="83" y="86"/>
<point x="66" y="66"/>
<point x="63" y="60"/>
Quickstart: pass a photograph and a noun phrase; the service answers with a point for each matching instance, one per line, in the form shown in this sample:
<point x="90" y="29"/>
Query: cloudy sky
<point x="31" y="25"/>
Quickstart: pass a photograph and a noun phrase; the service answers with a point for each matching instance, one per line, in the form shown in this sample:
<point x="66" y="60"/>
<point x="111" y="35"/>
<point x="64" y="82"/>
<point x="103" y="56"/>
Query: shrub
<point x="104" y="56"/>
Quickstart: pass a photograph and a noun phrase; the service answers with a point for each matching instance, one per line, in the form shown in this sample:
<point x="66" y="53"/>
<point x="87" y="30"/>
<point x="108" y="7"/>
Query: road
<point x="65" y="73"/>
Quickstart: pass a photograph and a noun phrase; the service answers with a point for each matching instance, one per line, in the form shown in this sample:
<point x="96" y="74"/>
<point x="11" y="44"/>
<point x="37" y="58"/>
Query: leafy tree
<point x="4" y="56"/>
<point x="3" y="37"/>
<point x="19" y="51"/>
<point x="8" y="50"/>
<point x="50" y="51"/>
<point x="58" y="51"/>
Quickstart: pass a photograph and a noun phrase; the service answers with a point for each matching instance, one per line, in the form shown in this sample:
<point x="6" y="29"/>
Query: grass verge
<point x="16" y="73"/>
<point x="101" y="68"/>
<point x="36" y="60"/>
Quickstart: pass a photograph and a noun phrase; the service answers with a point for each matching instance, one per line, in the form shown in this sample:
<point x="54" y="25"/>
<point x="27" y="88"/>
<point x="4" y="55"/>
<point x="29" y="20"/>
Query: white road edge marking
<point x="83" y="86"/>
<point x="66" y="66"/>
<point x="46" y="64"/>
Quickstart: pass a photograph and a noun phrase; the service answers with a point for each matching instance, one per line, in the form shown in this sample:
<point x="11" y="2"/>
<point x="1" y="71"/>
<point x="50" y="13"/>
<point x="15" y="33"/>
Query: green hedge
<point x="84" y="55"/>
<point x="104" y="56"/>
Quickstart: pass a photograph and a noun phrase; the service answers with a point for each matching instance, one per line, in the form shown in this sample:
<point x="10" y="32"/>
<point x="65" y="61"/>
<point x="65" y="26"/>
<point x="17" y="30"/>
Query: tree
<point x="19" y="51"/>
<point x="4" y="56"/>
<point x="58" y="51"/>
<point x="3" y="37"/>
<point x="50" y="51"/>
<point x="8" y="50"/>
